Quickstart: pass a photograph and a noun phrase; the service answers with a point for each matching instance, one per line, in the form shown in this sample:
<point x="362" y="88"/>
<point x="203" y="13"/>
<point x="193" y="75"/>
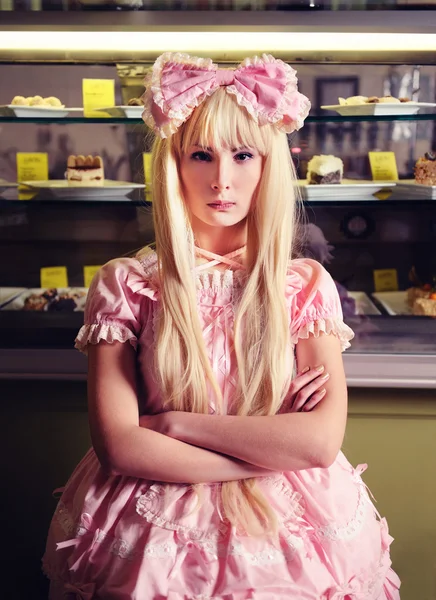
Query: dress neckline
<point x="216" y="259"/>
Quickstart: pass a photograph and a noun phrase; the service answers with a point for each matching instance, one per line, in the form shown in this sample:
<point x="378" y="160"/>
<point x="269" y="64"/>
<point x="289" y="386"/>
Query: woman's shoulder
<point x="304" y="274"/>
<point x="133" y="274"/>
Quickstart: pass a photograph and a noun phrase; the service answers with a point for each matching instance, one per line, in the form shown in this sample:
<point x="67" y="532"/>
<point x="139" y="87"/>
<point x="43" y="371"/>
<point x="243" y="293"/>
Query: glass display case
<point x="376" y="238"/>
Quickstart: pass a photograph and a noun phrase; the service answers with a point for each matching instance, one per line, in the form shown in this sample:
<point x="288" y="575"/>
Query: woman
<point x="214" y="472"/>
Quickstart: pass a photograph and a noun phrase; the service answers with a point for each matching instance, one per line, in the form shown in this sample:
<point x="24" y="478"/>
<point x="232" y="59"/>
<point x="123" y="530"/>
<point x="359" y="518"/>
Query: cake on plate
<point x="425" y="169"/>
<point x="324" y="169"/>
<point x="85" y="171"/>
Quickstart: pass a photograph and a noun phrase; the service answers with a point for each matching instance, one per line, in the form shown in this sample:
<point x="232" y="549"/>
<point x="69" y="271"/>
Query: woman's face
<point x="219" y="185"/>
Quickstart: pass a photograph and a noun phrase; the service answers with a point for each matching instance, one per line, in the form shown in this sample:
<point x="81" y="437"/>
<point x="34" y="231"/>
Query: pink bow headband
<point x="265" y="86"/>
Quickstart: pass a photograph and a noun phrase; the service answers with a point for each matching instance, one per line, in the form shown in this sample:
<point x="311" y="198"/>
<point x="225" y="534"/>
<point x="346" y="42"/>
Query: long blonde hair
<point x="261" y="331"/>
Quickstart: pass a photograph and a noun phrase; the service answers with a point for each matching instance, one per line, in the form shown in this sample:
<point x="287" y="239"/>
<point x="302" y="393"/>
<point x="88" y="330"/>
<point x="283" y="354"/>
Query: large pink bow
<point x="265" y="86"/>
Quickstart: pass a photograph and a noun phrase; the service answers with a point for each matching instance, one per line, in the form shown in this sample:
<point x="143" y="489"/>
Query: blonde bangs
<point x="220" y="122"/>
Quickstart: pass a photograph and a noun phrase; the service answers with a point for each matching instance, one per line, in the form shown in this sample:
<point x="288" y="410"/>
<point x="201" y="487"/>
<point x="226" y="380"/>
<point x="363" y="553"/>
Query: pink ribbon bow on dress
<point x="265" y="86"/>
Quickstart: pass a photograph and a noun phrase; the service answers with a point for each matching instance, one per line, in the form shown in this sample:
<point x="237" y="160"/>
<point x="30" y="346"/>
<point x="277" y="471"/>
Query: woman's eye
<point x="243" y="156"/>
<point x="201" y="156"/>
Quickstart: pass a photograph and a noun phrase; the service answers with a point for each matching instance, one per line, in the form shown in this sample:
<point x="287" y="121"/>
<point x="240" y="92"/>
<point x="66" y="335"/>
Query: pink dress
<point x="122" y="538"/>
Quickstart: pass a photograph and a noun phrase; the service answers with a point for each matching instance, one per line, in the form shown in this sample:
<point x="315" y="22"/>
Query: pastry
<point x="324" y="169"/>
<point x="49" y="102"/>
<point x="425" y="169"/>
<point x="19" y="101"/>
<point x="37" y="101"/>
<point x="135" y="102"/>
<point x="388" y="100"/>
<point x="416" y="293"/>
<point x="352" y="100"/>
<point x="54" y="300"/>
<point x="35" y="302"/>
<point x="425" y="306"/>
<point x="85" y="171"/>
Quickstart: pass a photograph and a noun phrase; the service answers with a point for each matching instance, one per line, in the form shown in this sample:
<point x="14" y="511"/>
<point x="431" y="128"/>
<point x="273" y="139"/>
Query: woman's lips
<point x="221" y="205"/>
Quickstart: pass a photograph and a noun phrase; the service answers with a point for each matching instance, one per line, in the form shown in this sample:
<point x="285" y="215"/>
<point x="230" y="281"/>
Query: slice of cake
<point x="323" y="169"/>
<point x="425" y="169"/>
<point x="85" y="171"/>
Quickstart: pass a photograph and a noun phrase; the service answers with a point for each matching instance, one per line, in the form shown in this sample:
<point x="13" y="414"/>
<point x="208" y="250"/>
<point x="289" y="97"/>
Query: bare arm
<point x="124" y="448"/>
<point x="286" y="442"/>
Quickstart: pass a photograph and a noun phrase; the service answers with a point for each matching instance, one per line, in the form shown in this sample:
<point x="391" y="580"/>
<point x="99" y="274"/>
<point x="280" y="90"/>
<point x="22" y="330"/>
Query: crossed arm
<point x="194" y="448"/>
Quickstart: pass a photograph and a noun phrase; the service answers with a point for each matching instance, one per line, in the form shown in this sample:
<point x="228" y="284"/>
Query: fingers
<point x="307" y="391"/>
<point x="304" y="377"/>
<point x="314" y="400"/>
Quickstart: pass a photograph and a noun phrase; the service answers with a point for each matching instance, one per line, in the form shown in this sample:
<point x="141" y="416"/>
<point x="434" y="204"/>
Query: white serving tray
<point x="36" y="112"/>
<point x="379" y="109"/>
<point x="7" y="185"/>
<point x="410" y="190"/>
<point x="9" y="293"/>
<point x="364" y="306"/>
<point x="17" y="303"/>
<point x="59" y="189"/>
<point x="395" y="303"/>
<point x="349" y="189"/>
<point x="128" y="112"/>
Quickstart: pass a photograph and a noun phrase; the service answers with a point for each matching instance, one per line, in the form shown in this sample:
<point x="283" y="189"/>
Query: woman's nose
<point x="221" y="178"/>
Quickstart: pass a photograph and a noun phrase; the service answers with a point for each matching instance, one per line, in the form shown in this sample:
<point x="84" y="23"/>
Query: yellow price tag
<point x="383" y="166"/>
<point x="88" y="273"/>
<point x="54" y="277"/>
<point x="385" y="280"/>
<point x="146" y="157"/>
<point x="97" y="93"/>
<point x="31" y="166"/>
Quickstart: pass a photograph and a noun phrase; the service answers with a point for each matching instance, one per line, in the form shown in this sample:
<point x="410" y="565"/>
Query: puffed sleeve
<point x="115" y="307"/>
<point x="314" y="303"/>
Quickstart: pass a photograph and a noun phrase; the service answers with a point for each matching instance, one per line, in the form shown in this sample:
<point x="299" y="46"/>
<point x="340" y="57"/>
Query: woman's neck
<point x="221" y="240"/>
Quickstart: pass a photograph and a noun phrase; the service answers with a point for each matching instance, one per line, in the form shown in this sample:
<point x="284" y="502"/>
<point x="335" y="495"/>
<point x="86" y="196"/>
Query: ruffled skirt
<point x="123" y="538"/>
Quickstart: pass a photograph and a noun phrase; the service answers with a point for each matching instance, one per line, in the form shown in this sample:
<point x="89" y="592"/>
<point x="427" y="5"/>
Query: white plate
<point x="9" y="293"/>
<point x="129" y="112"/>
<point x="59" y="189"/>
<point x="395" y="303"/>
<point x="409" y="190"/>
<point x="18" y="302"/>
<point x="364" y="306"/>
<point x="349" y="189"/>
<point x="7" y="185"/>
<point x="379" y="109"/>
<point x="38" y="112"/>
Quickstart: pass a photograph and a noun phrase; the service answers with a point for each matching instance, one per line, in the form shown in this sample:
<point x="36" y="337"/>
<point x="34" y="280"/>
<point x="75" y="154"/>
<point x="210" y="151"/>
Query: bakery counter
<point x="386" y="352"/>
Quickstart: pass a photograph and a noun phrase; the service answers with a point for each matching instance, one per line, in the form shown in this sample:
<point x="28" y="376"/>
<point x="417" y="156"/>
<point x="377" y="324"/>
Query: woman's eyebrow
<point x="202" y="147"/>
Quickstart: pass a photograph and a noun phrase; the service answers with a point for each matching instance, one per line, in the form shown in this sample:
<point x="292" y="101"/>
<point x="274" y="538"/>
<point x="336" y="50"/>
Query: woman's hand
<point x="307" y="389"/>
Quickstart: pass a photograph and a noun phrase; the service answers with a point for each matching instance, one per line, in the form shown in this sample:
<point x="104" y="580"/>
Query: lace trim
<point x="109" y="332"/>
<point x="328" y="325"/>
<point x="291" y="544"/>
<point x="353" y="528"/>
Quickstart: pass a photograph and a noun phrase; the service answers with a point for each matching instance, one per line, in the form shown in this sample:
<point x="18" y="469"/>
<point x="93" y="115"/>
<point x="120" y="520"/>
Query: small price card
<point x="97" y="93"/>
<point x="31" y="166"/>
<point x="383" y="166"/>
<point x="146" y="157"/>
<point x="385" y="280"/>
<point x="88" y="273"/>
<point x="54" y="277"/>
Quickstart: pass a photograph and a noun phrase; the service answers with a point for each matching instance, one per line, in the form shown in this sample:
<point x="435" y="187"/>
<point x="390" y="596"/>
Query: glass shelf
<point x="310" y="119"/>
<point x="149" y="205"/>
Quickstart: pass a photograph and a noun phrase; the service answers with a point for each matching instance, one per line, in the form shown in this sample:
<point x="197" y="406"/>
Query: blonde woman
<point x="215" y="473"/>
